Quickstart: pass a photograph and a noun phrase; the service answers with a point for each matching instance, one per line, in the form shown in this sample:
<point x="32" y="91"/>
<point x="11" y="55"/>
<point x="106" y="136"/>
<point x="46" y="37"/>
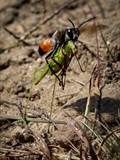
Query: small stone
<point x="19" y="88"/>
<point x="35" y="95"/>
<point x="22" y="95"/>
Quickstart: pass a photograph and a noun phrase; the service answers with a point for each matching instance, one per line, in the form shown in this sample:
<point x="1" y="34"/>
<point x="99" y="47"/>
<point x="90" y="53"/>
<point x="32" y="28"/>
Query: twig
<point x="64" y="156"/>
<point x="97" y="73"/>
<point x="34" y="120"/>
<point x="7" y="103"/>
<point x="19" y="39"/>
<point x="52" y="103"/>
<point x="79" y="63"/>
<point x="16" y="153"/>
<point x="78" y="82"/>
<point x="12" y="150"/>
<point x="22" y="113"/>
<point x="87" y="108"/>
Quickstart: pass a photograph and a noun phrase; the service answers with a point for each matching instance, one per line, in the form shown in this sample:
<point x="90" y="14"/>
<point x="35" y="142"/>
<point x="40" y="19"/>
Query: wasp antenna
<point x="71" y="22"/>
<point x="90" y="19"/>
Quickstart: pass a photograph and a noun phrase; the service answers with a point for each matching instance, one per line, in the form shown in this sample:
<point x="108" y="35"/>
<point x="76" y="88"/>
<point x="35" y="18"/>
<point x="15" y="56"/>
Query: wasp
<point x="59" y="39"/>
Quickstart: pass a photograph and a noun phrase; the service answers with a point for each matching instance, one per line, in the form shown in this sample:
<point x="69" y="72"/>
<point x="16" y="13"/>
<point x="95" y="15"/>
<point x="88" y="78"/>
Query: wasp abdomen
<point x="45" y="46"/>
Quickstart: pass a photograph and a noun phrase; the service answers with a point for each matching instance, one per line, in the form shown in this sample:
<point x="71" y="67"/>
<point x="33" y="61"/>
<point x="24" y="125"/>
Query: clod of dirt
<point x="20" y="138"/>
<point x="35" y="95"/>
<point x="19" y="88"/>
<point x="61" y="102"/>
<point x="24" y="137"/>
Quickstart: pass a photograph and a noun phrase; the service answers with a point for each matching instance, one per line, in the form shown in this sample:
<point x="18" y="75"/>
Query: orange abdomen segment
<point x="45" y="46"/>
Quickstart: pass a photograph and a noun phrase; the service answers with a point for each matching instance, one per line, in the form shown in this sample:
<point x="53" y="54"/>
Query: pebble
<point x="19" y="88"/>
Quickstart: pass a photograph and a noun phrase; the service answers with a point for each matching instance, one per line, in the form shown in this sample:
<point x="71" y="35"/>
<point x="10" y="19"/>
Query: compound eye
<point x="70" y="34"/>
<point x="69" y="30"/>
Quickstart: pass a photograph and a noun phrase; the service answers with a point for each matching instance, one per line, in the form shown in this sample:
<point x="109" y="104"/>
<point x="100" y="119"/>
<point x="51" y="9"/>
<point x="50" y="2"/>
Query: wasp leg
<point x="63" y="77"/>
<point x="64" y="68"/>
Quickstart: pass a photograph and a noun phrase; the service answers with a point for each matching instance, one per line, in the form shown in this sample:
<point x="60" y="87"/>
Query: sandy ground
<point x="18" y="62"/>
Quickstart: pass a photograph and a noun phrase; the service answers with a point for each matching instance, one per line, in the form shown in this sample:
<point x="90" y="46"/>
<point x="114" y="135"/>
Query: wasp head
<point x="72" y="33"/>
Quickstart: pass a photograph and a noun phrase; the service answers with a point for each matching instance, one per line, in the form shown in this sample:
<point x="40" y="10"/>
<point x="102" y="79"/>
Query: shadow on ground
<point x="108" y="105"/>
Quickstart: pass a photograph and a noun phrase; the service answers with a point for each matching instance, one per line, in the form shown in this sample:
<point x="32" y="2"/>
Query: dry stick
<point x="97" y="108"/>
<point x="34" y="120"/>
<point x="64" y="156"/>
<point x="16" y="156"/>
<point x="78" y="82"/>
<point x="12" y="150"/>
<point x="79" y="63"/>
<point x="19" y="39"/>
<point x="7" y="103"/>
<point x="23" y="113"/>
<point x="52" y="101"/>
<point x="98" y="77"/>
<point x="87" y="108"/>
